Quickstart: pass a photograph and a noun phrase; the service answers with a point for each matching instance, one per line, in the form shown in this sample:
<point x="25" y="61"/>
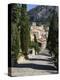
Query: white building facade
<point x="41" y="34"/>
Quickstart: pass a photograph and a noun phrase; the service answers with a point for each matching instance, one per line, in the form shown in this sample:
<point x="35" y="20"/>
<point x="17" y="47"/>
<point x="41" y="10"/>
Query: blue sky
<point x="30" y="6"/>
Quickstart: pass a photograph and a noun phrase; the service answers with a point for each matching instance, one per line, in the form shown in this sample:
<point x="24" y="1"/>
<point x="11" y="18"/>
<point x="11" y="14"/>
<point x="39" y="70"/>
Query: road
<point x="36" y="65"/>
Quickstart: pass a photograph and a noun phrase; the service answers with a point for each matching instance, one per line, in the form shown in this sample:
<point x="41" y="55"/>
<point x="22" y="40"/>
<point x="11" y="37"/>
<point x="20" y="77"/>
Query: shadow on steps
<point x="36" y="59"/>
<point x="35" y="66"/>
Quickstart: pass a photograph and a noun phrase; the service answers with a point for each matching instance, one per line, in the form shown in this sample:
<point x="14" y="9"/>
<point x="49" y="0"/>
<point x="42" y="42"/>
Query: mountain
<point x="42" y="14"/>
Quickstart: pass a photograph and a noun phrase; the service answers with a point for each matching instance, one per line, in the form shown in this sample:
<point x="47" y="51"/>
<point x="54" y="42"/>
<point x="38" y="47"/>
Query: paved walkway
<point x="36" y="65"/>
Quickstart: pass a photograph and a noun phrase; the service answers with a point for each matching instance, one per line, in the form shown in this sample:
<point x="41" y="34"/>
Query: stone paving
<point x="36" y="65"/>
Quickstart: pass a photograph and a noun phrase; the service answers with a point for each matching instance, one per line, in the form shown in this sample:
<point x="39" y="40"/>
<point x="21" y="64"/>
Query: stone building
<point x="41" y="34"/>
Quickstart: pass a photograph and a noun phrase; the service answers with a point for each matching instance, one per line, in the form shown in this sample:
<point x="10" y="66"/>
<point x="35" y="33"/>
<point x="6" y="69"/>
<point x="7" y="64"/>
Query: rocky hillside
<point x="42" y="13"/>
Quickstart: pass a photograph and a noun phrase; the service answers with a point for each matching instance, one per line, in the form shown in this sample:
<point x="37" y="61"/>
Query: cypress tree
<point x="24" y="31"/>
<point x="36" y="45"/>
<point x="53" y="36"/>
<point x="15" y="14"/>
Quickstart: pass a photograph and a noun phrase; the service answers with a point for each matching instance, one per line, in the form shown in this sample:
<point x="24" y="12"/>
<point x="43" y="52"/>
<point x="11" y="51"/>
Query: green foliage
<point x="24" y="30"/>
<point x="32" y="44"/>
<point x="36" y="45"/>
<point x="14" y="39"/>
<point x="53" y="36"/>
<point x="15" y="16"/>
<point x="15" y="12"/>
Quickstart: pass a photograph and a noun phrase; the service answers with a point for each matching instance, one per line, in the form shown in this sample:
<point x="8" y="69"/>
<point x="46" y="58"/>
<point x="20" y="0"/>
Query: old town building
<point x="41" y="34"/>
